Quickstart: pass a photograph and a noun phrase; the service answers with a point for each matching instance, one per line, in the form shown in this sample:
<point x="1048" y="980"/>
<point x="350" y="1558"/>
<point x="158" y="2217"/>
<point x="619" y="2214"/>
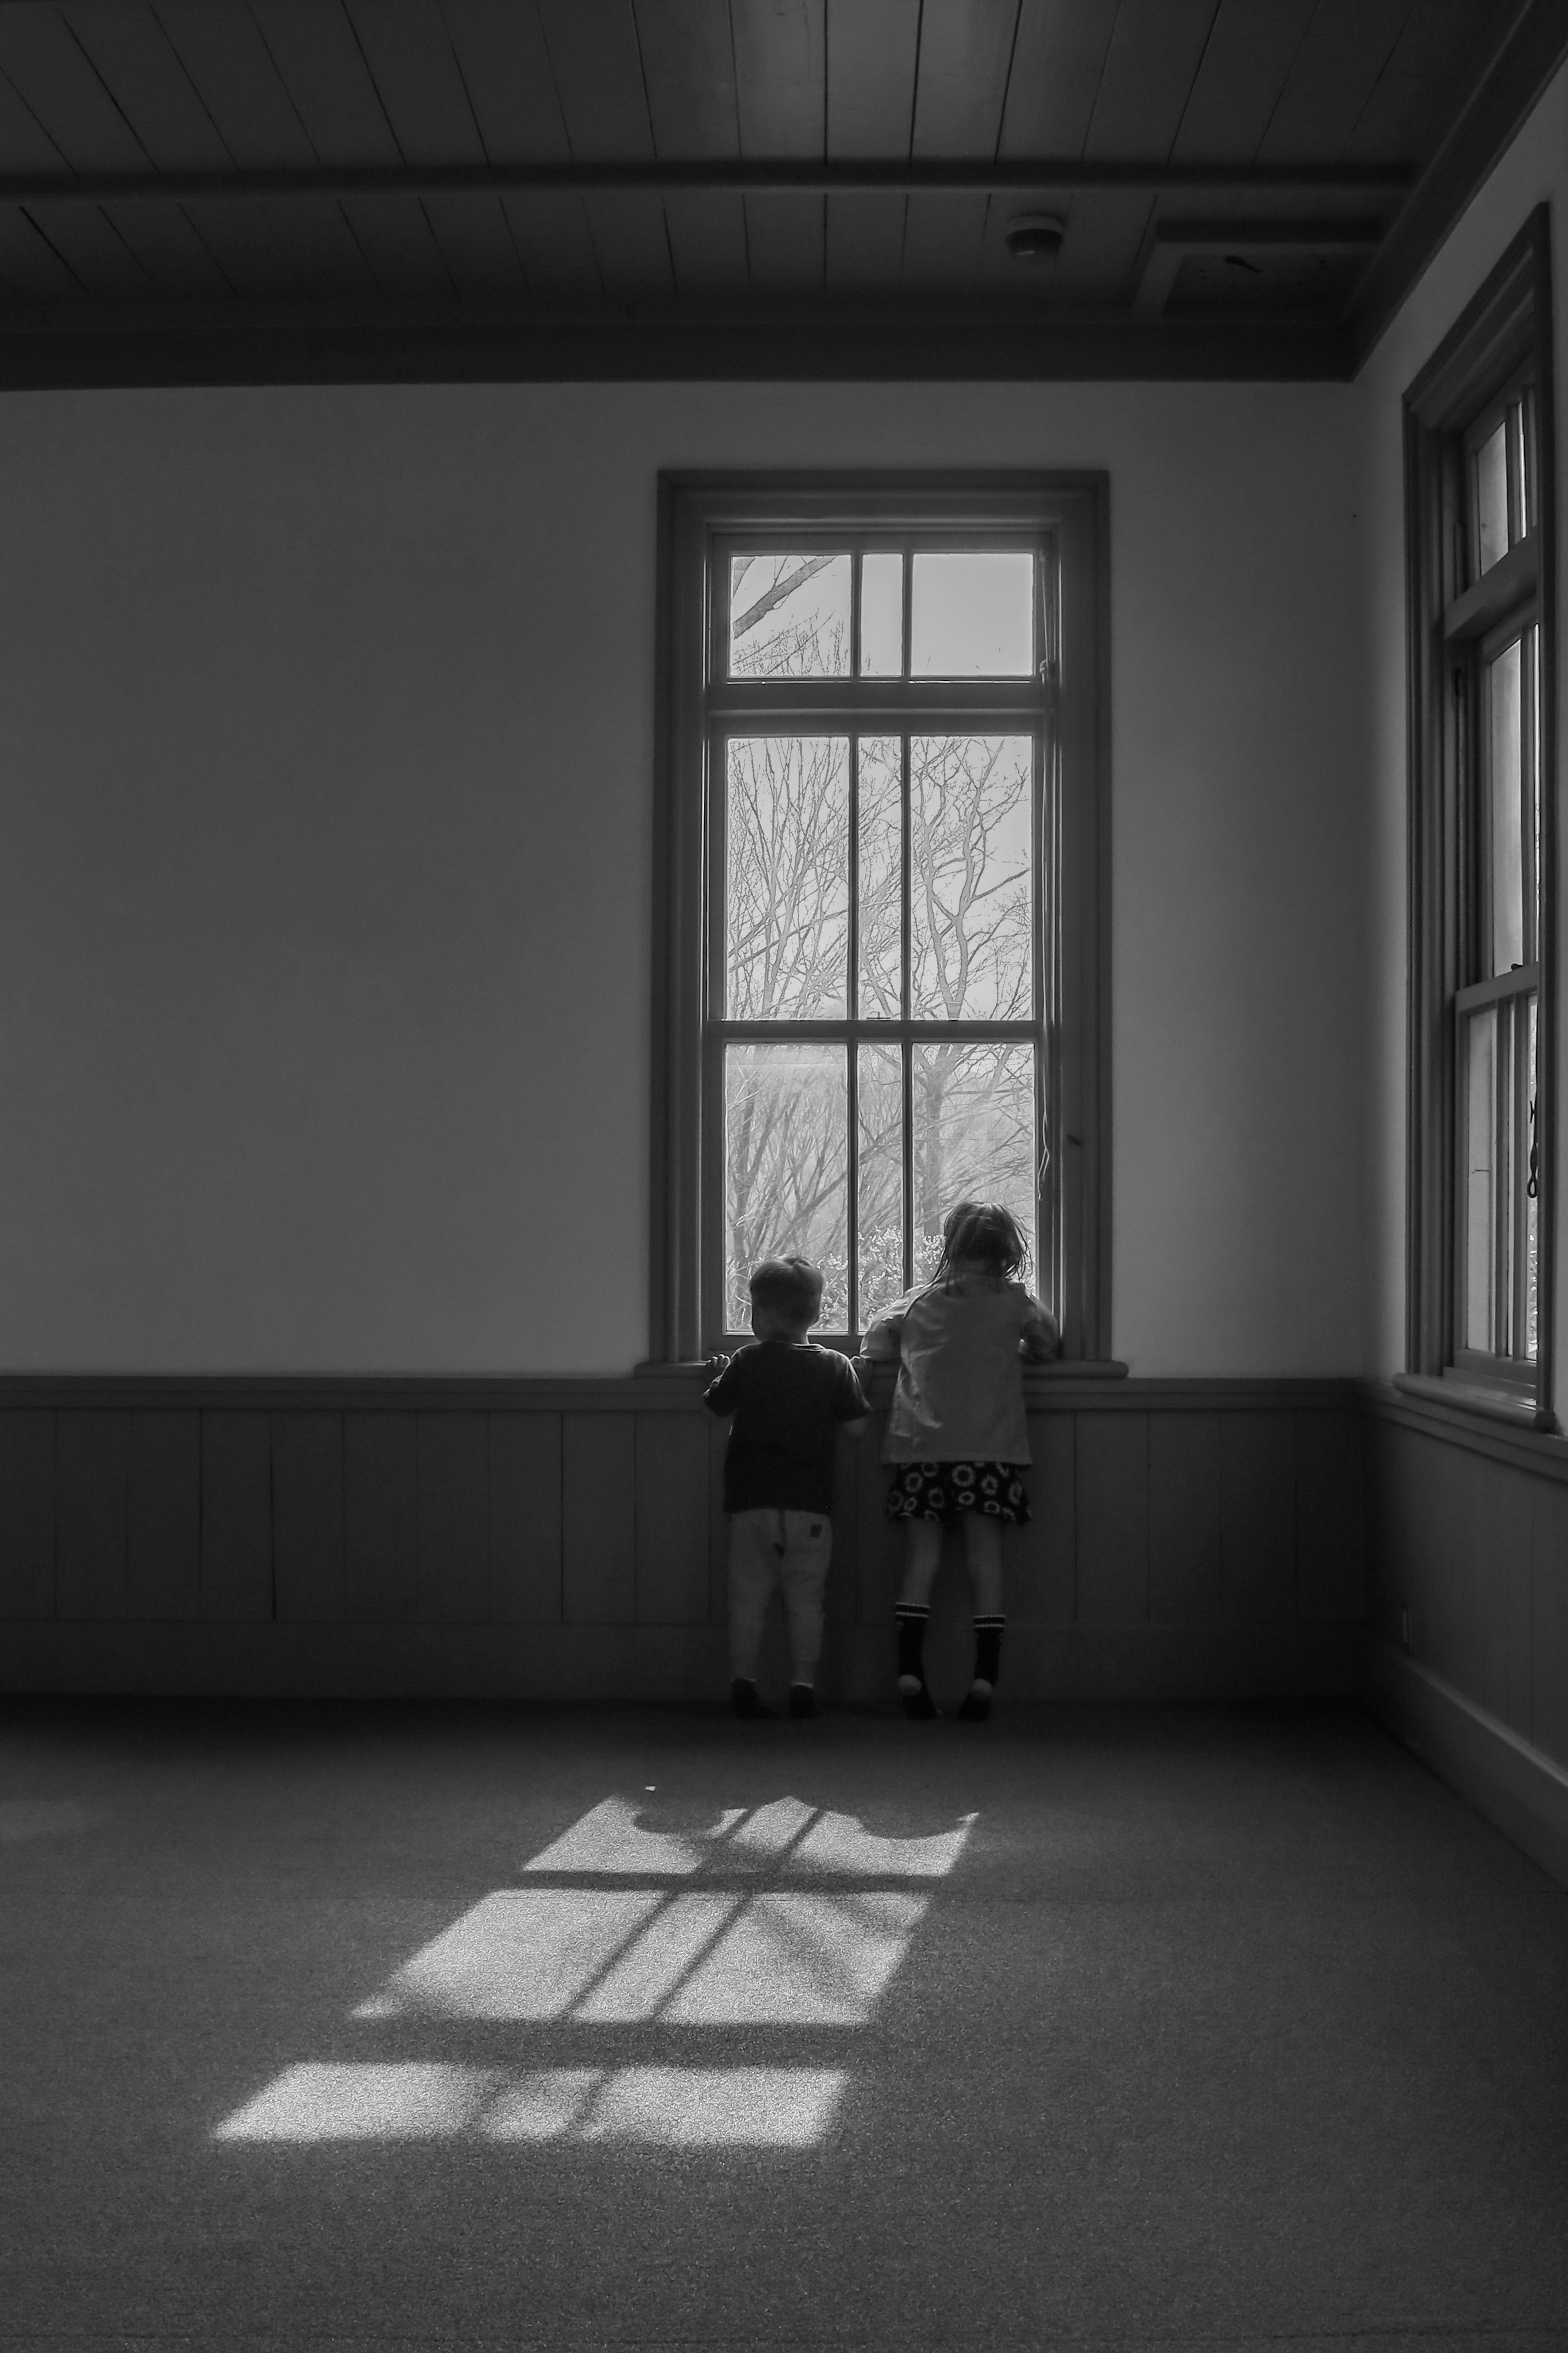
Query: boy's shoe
<point x="802" y="1699"/>
<point x="743" y="1698"/>
<point x="976" y="1707"/>
<point x="918" y="1703"/>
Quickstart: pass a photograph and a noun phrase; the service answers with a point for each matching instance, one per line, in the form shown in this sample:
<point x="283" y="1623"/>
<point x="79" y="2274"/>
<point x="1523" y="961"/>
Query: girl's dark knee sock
<point x="988" y="1649"/>
<point x="910" y="1620"/>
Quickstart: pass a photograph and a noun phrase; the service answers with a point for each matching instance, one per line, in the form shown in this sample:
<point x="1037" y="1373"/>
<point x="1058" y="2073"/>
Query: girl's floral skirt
<point x="946" y="1490"/>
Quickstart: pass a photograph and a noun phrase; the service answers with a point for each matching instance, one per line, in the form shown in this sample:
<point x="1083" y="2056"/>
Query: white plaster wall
<point x="325" y="749"/>
<point x="1533" y="171"/>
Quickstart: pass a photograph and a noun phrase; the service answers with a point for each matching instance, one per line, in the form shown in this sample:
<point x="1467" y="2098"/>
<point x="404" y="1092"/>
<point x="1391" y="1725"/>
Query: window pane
<point x="786" y="1129"/>
<point x="973" y="1137"/>
<point x="1492" y="499"/>
<point x="881" y="1178"/>
<point x="970" y="815"/>
<point x="882" y="615"/>
<point x="786" y="862"/>
<point x="789" y="616"/>
<point x="1480" y="1097"/>
<point x="1531" y="1222"/>
<point x="972" y="615"/>
<point x="881" y="878"/>
<point x="1506" y="783"/>
<point x="1530" y="698"/>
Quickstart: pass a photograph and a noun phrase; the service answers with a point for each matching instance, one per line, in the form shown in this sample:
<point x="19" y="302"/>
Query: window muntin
<point x="877" y="985"/>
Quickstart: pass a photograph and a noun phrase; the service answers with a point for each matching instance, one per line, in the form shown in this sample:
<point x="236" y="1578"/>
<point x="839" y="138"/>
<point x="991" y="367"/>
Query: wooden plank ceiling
<point x="432" y="185"/>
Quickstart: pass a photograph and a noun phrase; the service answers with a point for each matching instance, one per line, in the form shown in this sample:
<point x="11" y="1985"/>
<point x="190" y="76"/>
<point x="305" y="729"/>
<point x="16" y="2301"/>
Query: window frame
<point x="1455" y="625"/>
<point x="698" y="514"/>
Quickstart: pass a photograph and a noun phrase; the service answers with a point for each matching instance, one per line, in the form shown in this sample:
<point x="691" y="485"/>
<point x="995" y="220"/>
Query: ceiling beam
<point x="1533" y="45"/>
<point x="1025" y="175"/>
<point x="463" y="343"/>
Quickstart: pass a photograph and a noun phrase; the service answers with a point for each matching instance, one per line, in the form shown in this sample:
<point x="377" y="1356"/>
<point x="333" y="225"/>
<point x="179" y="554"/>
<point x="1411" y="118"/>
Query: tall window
<point x="880" y="759"/>
<point x="1481" y="823"/>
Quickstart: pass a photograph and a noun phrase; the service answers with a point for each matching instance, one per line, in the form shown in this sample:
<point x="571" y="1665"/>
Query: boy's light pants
<point x="788" y="1548"/>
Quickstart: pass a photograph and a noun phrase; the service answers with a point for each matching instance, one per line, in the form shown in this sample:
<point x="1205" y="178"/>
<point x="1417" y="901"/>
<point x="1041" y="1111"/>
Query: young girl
<point x="956" y="1431"/>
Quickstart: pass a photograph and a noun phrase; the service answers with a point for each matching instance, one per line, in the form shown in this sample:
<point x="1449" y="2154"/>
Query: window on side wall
<point x="1482" y="995"/>
<point x="878" y="911"/>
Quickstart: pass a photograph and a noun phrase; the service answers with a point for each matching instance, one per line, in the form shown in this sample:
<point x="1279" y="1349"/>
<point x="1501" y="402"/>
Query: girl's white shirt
<point x="959" y="1397"/>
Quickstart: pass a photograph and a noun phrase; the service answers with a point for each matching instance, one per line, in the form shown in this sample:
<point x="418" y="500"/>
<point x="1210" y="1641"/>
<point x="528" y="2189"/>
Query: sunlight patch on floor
<point x="520" y="1955"/>
<point x="727" y="1953"/>
<point x="610" y="1840"/>
<point x="778" y="1958"/>
<point x="759" y="2108"/>
<point x="800" y="1960"/>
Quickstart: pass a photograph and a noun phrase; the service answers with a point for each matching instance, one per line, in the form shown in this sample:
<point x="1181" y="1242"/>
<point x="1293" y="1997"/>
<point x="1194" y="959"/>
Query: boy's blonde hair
<point x="981" y="1233"/>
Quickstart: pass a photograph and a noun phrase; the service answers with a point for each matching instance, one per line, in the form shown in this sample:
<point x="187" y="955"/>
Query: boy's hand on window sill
<point x="714" y="1366"/>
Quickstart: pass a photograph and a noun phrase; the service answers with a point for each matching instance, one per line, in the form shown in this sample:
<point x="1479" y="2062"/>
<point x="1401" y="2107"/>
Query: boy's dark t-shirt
<point x="787" y="1401"/>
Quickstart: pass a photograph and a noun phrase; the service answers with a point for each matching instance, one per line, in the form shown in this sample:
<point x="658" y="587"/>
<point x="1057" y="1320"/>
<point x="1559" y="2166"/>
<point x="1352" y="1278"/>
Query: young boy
<point x="789" y="1399"/>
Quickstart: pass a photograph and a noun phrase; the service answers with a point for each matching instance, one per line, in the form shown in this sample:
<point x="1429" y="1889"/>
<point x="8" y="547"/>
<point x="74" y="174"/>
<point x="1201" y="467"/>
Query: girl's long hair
<point x="983" y="1233"/>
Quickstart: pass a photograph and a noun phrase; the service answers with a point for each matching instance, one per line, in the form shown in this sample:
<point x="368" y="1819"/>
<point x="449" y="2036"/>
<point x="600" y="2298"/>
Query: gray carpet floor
<point x="352" y="2027"/>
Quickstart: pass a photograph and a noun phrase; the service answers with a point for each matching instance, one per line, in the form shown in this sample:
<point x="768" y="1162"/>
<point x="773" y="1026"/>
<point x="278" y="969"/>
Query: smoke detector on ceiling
<point x="1035" y="237"/>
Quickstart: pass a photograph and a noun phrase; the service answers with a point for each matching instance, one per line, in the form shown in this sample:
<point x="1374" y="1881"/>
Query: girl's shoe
<point x="802" y="1699"/>
<point x="918" y="1703"/>
<point x="976" y="1707"/>
<point x="743" y="1698"/>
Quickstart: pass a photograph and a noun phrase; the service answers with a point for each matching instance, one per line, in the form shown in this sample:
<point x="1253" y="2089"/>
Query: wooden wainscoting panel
<point x="879" y="1541"/>
<point x="92" y="1455"/>
<point x="1112" y="1480"/>
<point x="1186" y="1566"/>
<point x="164" y="1516"/>
<point x="1439" y="1629"/>
<point x="1331" y="1506"/>
<point x="598" y="1521"/>
<point x="525" y="1519"/>
<point x="844" y="1571"/>
<point x="1387" y="1510"/>
<point x="380" y="1515"/>
<point x="308" y="1517"/>
<point x="718" y="1523"/>
<point x="237" y="1516"/>
<point x="673" y="1519"/>
<point x="1257" y="1515"/>
<point x="27" y="1514"/>
<point x="1040" y="1561"/>
<point x="452" y="1568"/>
<point x="1549" y="1619"/>
<point x="1495" y="1588"/>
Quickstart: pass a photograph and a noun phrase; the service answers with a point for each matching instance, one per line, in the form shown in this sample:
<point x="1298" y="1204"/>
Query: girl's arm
<point x="1039" y="1339"/>
<point x="881" y="1341"/>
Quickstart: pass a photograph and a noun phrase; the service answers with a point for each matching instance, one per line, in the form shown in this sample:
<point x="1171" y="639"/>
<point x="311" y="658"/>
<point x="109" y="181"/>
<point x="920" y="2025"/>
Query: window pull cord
<point x="1533" y="1183"/>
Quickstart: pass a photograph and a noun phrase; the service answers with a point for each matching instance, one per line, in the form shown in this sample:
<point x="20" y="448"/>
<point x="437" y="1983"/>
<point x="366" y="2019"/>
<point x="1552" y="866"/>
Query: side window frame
<point x="1458" y="617"/>
<point x="697" y="514"/>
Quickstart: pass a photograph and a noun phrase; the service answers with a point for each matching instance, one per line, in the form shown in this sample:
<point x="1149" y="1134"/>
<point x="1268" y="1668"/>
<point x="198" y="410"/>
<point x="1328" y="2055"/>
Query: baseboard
<point x="1517" y="1787"/>
<point x="681" y="1663"/>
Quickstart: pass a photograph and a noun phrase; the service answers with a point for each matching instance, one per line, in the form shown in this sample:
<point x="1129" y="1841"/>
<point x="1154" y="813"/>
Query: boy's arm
<point x="719" y="1397"/>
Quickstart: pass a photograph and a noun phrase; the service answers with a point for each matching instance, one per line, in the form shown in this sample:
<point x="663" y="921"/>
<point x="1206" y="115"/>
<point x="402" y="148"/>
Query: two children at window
<point x="957" y="1442"/>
